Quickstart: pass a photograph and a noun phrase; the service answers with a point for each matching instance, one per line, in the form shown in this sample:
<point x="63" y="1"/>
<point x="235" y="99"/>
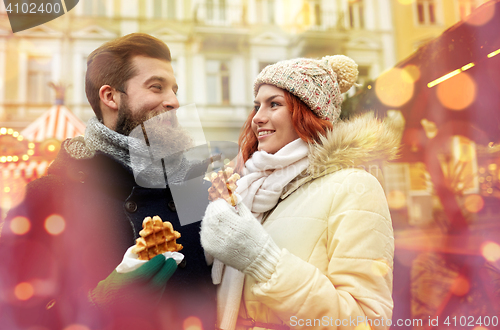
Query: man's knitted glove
<point x="239" y="240"/>
<point x="145" y="285"/>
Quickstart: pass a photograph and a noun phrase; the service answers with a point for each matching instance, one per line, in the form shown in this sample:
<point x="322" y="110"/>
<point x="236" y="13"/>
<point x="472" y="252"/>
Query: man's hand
<point x="143" y="285"/>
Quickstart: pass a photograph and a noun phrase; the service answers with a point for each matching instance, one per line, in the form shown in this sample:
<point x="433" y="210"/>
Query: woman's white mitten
<point x="238" y="240"/>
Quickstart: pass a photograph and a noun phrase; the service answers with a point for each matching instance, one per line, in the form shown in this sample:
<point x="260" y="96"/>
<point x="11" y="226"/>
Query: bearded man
<point x="93" y="196"/>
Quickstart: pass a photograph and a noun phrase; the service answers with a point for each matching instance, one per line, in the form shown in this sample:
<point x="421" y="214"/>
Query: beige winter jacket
<point x="334" y="228"/>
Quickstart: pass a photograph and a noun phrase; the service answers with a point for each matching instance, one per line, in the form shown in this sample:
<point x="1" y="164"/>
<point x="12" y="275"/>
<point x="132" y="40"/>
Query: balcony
<point x="322" y="20"/>
<point x="219" y="14"/>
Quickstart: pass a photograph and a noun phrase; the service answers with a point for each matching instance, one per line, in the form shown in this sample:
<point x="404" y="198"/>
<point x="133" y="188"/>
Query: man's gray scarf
<point x="98" y="137"/>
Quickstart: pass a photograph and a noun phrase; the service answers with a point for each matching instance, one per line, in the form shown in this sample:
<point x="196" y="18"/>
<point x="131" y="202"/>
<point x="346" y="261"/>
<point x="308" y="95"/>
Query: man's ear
<point x="109" y="105"/>
<point x="108" y="96"/>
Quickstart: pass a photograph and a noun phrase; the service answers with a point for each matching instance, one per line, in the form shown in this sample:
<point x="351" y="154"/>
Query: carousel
<point x="26" y="155"/>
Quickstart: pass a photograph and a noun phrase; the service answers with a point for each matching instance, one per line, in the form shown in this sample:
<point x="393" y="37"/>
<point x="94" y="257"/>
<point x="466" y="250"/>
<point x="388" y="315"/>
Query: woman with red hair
<point x="310" y="241"/>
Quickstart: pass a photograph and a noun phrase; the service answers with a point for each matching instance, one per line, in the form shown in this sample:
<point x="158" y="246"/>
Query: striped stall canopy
<point x="58" y="122"/>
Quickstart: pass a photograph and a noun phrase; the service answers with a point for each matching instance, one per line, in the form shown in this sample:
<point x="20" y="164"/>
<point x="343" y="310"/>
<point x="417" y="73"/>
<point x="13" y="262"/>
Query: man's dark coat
<point x="102" y="209"/>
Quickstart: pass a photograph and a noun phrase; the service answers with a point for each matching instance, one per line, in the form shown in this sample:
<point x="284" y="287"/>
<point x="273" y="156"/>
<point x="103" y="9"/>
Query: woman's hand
<point x="238" y="240"/>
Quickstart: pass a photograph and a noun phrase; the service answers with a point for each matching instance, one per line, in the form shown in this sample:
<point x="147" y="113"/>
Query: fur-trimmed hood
<point x="359" y="141"/>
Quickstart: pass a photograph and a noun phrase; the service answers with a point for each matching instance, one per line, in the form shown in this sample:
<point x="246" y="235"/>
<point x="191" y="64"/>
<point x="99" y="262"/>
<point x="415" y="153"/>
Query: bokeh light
<point x="55" y="224"/>
<point x="474" y="203"/>
<point x="380" y="267"/>
<point x="50" y="304"/>
<point x="413" y="72"/>
<point x="396" y="199"/>
<point x="77" y="327"/>
<point x="458" y="92"/>
<point x="24" y="291"/>
<point x="460" y="286"/>
<point x="20" y="225"/>
<point x="490" y="251"/>
<point x="192" y="323"/>
<point x="482" y="17"/>
<point x="479" y="328"/>
<point x="15" y="193"/>
<point x="395" y="87"/>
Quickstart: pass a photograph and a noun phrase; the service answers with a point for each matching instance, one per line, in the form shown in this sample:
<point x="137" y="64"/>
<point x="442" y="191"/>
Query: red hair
<point x="308" y="126"/>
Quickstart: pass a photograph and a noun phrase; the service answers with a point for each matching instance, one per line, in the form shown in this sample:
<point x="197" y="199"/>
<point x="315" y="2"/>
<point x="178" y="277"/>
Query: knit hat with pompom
<point x="318" y="83"/>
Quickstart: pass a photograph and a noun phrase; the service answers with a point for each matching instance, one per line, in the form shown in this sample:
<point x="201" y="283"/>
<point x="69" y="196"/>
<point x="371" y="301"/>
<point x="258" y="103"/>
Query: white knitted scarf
<point x="265" y="175"/>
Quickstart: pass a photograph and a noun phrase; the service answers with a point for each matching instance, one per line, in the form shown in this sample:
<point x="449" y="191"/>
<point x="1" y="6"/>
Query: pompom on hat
<point x="318" y="83"/>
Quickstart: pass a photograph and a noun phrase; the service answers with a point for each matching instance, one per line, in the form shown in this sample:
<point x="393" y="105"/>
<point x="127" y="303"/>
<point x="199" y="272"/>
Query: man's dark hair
<point x="111" y="64"/>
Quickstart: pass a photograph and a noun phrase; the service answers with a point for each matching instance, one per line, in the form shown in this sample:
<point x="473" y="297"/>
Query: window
<point x="94" y="8"/>
<point x="317" y="13"/>
<point x="265" y="11"/>
<point x="216" y="10"/>
<point x="426" y="12"/>
<point x="210" y="9"/>
<point x="311" y="13"/>
<point x="409" y="186"/>
<point x="356" y="14"/>
<point x="270" y="11"/>
<point x="217" y="82"/>
<point x="39" y="75"/>
<point x="396" y="184"/>
<point x="158" y="9"/>
<point x="164" y="9"/>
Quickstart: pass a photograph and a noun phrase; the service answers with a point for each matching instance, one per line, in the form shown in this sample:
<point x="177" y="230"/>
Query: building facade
<point x="419" y="21"/>
<point x="218" y="47"/>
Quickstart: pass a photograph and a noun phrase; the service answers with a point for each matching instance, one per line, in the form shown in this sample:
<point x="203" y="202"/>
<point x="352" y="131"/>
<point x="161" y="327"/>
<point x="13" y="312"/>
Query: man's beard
<point x="161" y="130"/>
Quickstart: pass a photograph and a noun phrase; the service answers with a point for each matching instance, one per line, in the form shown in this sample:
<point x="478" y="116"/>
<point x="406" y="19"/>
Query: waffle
<point x="156" y="237"/>
<point x="223" y="185"/>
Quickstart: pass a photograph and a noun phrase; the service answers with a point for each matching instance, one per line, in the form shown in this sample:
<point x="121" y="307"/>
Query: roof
<point x="58" y="122"/>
